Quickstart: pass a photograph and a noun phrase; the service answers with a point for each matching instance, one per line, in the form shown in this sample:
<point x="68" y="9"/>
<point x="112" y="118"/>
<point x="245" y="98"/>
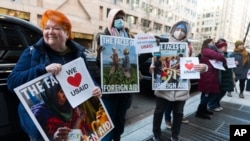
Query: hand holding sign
<point x="187" y="68"/>
<point x="77" y="89"/>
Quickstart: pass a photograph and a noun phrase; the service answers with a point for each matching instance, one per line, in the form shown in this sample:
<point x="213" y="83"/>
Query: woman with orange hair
<point x="48" y="55"/>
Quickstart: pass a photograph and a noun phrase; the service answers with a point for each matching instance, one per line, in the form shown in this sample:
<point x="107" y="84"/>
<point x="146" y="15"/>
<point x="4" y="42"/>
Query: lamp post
<point x="244" y="40"/>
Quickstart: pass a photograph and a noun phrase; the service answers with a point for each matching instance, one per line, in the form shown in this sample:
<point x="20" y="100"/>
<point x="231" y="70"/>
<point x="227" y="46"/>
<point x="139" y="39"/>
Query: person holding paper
<point x="179" y="33"/>
<point x="225" y="79"/>
<point x="116" y="104"/>
<point x="242" y="61"/>
<point x="208" y="84"/>
<point x="54" y="49"/>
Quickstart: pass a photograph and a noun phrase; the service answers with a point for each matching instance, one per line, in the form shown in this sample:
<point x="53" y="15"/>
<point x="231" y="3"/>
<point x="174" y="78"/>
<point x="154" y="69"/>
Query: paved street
<point x="139" y="119"/>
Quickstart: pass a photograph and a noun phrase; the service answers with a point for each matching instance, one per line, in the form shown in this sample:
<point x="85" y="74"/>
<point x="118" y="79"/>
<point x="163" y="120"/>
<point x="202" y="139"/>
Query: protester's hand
<point x="151" y="69"/>
<point x="236" y="62"/>
<point x="201" y="67"/>
<point x="61" y="134"/>
<point x="99" y="49"/>
<point x="54" y="68"/>
<point x="97" y="92"/>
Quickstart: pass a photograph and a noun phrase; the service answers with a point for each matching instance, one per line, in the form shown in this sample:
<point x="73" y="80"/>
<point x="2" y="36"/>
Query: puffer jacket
<point x="226" y="78"/>
<point x="209" y="81"/>
<point x="176" y="95"/>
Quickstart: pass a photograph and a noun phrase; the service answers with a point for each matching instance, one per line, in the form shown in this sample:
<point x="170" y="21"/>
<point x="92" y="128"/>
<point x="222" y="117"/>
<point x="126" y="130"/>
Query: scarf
<point x="244" y="54"/>
<point x="121" y="33"/>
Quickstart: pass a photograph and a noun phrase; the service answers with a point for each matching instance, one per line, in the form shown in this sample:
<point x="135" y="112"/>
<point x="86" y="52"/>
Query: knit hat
<point x="221" y="44"/>
<point x="238" y="43"/>
<point x="182" y="26"/>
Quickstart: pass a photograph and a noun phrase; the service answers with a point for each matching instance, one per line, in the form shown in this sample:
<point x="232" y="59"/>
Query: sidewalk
<point x="236" y="111"/>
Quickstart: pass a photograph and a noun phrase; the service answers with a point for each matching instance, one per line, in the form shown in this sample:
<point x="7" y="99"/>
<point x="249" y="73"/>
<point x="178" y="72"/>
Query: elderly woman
<point x="48" y="55"/>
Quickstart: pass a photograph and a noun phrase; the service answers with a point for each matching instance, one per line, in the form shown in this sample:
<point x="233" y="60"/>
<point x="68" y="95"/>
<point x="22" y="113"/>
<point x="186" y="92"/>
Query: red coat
<point x="209" y="81"/>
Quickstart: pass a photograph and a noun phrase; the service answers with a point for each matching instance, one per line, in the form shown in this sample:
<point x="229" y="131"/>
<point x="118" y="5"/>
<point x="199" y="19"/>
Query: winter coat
<point x="32" y="62"/>
<point x="31" y="65"/>
<point x="226" y="78"/>
<point x="240" y="71"/>
<point x="176" y="95"/>
<point x="209" y="80"/>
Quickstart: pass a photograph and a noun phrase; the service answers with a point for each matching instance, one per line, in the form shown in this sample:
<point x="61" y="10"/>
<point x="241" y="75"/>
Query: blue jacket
<point x="30" y="65"/>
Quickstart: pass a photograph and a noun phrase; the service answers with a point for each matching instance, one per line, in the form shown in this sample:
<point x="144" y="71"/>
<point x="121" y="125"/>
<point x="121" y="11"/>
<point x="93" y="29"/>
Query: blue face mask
<point x="118" y="24"/>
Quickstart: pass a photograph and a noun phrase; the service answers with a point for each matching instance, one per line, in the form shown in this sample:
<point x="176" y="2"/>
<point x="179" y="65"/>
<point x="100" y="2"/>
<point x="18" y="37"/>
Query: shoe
<point x="174" y="139"/>
<point x="168" y="124"/>
<point x="156" y="139"/>
<point x="241" y="95"/>
<point x="216" y="109"/>
<point x="221" y="108"/>
<point x="201" y="112"/>
<point x="229" y="94"/>
<point x="185" y="121"/>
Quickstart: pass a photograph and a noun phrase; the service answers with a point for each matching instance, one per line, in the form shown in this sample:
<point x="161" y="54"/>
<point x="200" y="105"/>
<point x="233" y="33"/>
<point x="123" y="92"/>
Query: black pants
<point x="242" y="85"/>
<point x="161" y="104"/>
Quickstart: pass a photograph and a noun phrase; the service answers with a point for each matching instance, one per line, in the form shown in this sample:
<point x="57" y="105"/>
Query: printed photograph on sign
<point x="166" y="74"/>
<point x="47" y="105"/>
<point x="119" y="65"/>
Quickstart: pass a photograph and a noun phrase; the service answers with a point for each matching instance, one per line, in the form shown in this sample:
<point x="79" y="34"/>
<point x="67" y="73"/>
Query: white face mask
<point x="179" y="35"/>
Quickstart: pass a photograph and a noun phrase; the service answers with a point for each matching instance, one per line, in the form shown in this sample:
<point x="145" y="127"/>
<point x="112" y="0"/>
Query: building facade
<point x="88" y="17"/>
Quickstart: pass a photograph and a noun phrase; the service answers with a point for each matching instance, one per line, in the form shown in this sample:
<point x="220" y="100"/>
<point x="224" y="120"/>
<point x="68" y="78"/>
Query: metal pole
<point x="246" y="32"/>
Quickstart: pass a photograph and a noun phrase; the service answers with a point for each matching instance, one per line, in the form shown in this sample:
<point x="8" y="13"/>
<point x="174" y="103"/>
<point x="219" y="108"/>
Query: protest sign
<point x="119" y="65"/>
<point x="146" y="43"/>
<point x="49" y="109"/>
<point x="166" y="74"/>
<point x="76" y="81"/>
<point x="187" y="70"/>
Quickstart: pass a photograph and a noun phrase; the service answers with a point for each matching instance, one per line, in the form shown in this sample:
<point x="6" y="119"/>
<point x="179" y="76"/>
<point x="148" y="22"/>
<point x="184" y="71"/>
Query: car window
<point x="14" y="38"/>
<point x="12" y="35"/>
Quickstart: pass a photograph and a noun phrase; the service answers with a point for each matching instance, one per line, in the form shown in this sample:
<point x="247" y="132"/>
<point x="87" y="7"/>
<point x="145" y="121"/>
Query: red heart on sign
<point x="189" y="66"/>
<point x="75" y="80"/>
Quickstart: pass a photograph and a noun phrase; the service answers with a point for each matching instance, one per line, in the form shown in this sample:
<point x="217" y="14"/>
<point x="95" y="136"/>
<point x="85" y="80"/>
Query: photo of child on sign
<point x="167" y="67"/>
<point x="119" y="69"/>
<point x="46" y="103"/>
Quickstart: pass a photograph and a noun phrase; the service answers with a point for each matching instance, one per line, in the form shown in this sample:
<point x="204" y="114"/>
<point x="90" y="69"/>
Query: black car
<point x="15" y="35"/>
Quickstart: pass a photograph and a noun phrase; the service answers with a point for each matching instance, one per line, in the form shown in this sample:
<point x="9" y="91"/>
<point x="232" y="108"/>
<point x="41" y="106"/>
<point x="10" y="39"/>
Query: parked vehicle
<point x="15" y="35"/>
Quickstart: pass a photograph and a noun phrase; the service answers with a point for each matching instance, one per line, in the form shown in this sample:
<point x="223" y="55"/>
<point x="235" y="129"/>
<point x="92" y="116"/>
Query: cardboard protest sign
<point x="166" y="74"/>
<point x="76" y="81"/>
<point x="119" y="65"/>
<point x="48" y="107"/>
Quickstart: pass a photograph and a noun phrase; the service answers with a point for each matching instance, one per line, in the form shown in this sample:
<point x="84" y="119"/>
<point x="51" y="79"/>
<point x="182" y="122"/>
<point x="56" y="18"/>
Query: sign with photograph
<point x="166" y="74"/>
<point x="119" y="65"/>
<point x="45" y="101"/>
